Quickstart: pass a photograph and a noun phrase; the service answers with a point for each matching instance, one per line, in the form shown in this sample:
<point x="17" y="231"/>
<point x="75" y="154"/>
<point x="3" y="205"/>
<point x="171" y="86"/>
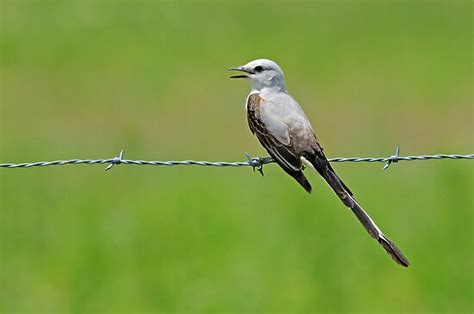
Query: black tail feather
<point x="394" y="251"/>
<point x="343" y="192"/>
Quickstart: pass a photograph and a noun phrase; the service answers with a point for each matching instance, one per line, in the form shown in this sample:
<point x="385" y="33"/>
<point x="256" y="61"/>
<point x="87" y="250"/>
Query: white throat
<point x="275" y="84"/>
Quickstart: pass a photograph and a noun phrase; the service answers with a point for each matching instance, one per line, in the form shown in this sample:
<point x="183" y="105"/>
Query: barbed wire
<point x="255" y="162"/>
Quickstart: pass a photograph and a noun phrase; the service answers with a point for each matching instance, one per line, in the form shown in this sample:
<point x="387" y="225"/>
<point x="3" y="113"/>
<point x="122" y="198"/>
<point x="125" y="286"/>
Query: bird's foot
<point x="257" y="162"/>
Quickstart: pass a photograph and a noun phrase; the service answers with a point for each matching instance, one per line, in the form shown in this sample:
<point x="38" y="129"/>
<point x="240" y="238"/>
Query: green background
<point x="85" y="79"/>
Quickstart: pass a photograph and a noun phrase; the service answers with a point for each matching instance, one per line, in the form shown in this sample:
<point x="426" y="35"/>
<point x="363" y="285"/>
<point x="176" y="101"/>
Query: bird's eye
<point x="258" y="69"/>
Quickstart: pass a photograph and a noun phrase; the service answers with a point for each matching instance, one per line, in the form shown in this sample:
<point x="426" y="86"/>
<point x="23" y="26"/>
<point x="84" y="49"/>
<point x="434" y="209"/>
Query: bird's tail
<point x="343" y="192"/>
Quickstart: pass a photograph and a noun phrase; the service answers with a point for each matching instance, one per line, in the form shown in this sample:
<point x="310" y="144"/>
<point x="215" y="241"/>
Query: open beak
<point x="240" y="75"/>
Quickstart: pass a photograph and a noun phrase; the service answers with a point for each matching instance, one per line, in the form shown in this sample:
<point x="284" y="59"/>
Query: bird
<point x="284" y="130"/>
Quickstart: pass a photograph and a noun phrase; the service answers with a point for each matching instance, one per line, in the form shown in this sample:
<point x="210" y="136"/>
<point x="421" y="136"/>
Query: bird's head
<point x="262" y="73"/>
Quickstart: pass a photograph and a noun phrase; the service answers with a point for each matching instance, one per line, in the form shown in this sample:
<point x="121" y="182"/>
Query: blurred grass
<point x="85" y="79"/>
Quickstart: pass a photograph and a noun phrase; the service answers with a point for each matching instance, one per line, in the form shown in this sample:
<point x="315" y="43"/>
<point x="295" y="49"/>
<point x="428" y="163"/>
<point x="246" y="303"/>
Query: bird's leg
<point x="259" y="166"/>
<point x="257" y="163"/>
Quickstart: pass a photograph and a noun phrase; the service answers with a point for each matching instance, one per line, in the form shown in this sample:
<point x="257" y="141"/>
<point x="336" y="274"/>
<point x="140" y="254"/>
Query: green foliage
<point x="87" y="78"/>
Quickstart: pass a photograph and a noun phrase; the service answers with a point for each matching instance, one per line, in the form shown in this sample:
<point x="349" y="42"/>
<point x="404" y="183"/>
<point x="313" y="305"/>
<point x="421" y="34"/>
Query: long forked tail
<point x="326" y="171"/>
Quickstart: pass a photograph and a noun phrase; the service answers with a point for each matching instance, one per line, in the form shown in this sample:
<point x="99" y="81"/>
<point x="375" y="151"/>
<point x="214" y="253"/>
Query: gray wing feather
<point x="276" y="139"/>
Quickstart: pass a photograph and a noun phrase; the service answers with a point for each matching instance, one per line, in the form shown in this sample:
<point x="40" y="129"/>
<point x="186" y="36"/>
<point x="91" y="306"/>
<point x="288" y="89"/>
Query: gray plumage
<point x="284" y="130"/>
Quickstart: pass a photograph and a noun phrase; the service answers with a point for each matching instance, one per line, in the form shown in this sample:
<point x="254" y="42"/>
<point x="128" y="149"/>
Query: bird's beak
<point x="239" y="69"/>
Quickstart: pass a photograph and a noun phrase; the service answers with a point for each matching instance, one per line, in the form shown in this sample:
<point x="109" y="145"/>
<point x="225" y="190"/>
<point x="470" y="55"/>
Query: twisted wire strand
<point x="255" y="162"/>
<point x="401" y="158"/>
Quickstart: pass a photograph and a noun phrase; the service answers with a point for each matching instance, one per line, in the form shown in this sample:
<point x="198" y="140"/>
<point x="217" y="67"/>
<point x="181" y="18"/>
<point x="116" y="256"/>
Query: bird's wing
<point x="277" y="143"/>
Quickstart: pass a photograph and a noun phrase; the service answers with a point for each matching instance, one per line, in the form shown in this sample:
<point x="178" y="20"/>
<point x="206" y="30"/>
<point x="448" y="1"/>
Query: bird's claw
<point x="256" y="163"/>
<point x="259" y="167"/>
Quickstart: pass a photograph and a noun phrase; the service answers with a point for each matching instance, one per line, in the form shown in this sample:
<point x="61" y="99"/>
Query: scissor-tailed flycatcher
<point x="283" y="129"/>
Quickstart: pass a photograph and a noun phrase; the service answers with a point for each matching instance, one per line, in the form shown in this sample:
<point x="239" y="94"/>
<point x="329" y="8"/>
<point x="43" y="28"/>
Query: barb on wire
<point x="393" y="158"/>
<point x="116" y="161"/>
<point x="256" y="163"/>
